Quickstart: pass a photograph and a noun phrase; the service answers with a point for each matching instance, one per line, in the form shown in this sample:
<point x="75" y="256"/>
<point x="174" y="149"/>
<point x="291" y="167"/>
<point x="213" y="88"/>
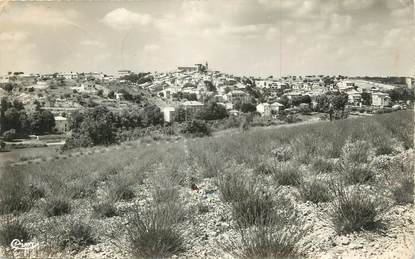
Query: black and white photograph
<point x="207" y="129"/>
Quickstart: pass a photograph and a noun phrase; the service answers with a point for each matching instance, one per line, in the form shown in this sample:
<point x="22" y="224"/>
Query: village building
<point x="380" y="99"/>
<point x="192" y="106"/>
<point x="168" y="113"/>
<point x="345" y="86"/>
<point x="119" y="96"/>
<point x="61" y="124"/>
<point x="354" y="97"/>
<point x="276" y="106"/>
<point x="237" y="96"/>
<point x="123" y="72"/>
<point x="264" y="109"/>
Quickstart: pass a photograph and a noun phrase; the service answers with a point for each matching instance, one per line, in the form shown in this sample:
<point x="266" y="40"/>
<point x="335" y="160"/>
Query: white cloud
<point x="123" y="19"/>
<point x="393" y="37"/>
<point x="357" y="4"/>
<point x="340" y="23"/>
<point x="151" y="47"/>
<point x="92" y="43"/>
<point x="405" y="12"/>
<point x="13" y="36"/>
<point x="394" y="4"/>
<point x="369" y="28"/>
<point x="39" y="15"/>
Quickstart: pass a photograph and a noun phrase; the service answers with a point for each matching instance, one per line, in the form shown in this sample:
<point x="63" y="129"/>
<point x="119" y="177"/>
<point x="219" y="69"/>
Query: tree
<point x="366" y="98"/>
<point x="127" y="96"/>
<point x="332" y="102"/>
<point x="151" y="115"/>
<point x="2" y="146"/>
<point x="209" y="86"/>
<point x="9" y="135"/>
<point x="95" y="126"/>
<point x="42" y="122"/>
<point x="284" y="101"/>
<point x="212" y="111"/>
<point x="9" y="86"/>
<point x="401" y="93"/>
<point x="197" y="128"/>
<point x="248" y="107"/>
<point x="300" y="99"/>
<point x="182" y="114"/>
<point x="111" y="94"/>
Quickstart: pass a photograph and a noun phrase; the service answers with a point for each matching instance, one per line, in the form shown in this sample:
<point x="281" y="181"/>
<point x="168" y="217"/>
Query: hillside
<point x="266" y="192"/>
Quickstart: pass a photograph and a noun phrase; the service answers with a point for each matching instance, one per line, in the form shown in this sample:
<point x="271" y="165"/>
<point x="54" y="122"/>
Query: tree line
<point x="16" y="121"/>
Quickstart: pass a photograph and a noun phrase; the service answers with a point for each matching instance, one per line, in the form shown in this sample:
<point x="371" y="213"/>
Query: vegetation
<point x="56" y="206"/>
<point x="152" y="234"/>
<point x="196" y="128"/>
<point x="13" y="229"/>
<point x="257" y="185"/>
<point x="356" y="209"/>
<point x="76" y="236"/>
<point x="13" y="116"/>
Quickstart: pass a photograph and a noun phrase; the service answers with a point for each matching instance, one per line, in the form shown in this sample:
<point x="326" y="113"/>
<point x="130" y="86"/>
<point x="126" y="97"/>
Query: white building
<point x="276" y="106"/>
<point x="123" y="72"/>
<point x="168" y="113"/>
<point x="61" y="124"/>
<point x="380" y="99"/>
<point x="264" y="109"/>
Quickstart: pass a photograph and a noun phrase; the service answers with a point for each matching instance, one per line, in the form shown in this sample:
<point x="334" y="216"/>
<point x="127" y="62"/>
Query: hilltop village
<point x="190" y="93"/>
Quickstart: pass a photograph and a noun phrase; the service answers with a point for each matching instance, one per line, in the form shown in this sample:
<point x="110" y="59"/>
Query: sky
<point x="241" y="37"/>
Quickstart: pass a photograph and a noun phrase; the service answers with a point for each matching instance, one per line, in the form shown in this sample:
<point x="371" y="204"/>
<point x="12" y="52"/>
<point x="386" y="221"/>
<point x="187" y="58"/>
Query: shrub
<point x="208" y="157"/>
<point x="383" y="144"/>
<point x="120" y="188"/>
<point x="356" y="173"/>
<point x="322" y="166"/>
<point x="151" y="234"/>
<point x="264" y="168"/>
<point x="196" y="128"/>
<point x="315" y="191"/>
<point x="287" y="174"/>
<point x="356" y="152"/>
<point x="13" y="229"/>
<point x="282" y="153"/>
<point x="356" y="209"/>
<point x="82" y="187"/>
<point x="56" y="206"/>
<point x="202" y="208"/>
<point x="277" y="238"/>
<point x="400" y="181"/>
<point x="255" y="209"/>
<point x="9" y="135"/>
<point x="234" y="187"/>
<point x="36" y="191"/>
<point x="14" y="194"/>
<point x="105" y="209"/>
<point x="76" y="236"/>
<point x="270" y="242"/>
<point x="2" y="146"/>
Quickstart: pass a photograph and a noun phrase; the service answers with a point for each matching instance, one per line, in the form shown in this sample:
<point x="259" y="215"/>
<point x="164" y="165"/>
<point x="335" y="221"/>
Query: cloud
<point x="13" y="36"/>
<point x="151" y="47"/>
<point x="394" y="4"/>
<point x="41" y="16"/>
<point x="369" y="28"/>
<point x="340" y="23"/>
<point x="123" y="19"/>
<point x="92" y="43"/>
<point x="357" y="4"/>
<point x="402" y="13"/>
<point x="393" y="38"/>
